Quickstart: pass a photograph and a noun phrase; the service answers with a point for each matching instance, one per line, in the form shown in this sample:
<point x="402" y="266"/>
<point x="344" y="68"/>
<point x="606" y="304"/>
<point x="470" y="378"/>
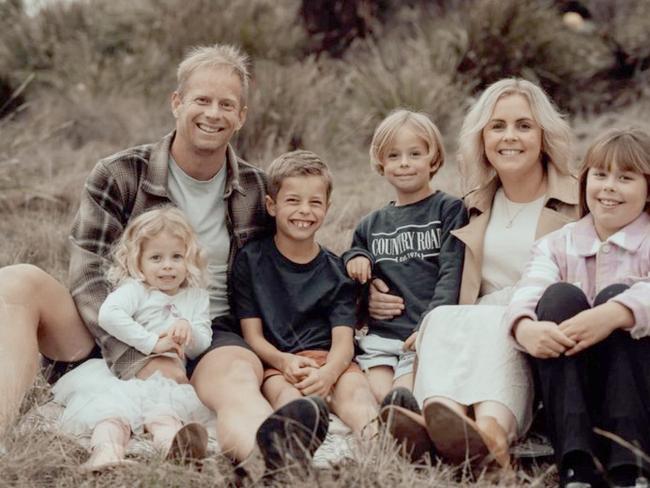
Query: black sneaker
<point x="293" y="433"/>
<point x="401" y="397"/>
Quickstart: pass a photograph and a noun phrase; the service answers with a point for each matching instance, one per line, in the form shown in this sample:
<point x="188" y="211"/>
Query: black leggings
<point x="605" y="386"/>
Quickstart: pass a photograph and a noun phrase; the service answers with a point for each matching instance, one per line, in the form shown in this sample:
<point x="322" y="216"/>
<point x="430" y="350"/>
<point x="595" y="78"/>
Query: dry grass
<point x="98" y="80"/>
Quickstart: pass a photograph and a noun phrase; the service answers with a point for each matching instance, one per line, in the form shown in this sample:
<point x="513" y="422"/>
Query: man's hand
<point x="592" y="326"/>
<point x="181" y="332"/>
<point x="359" y="269"/>
<point x="167" y="344"/>
<point x="382" y="305"/>
<point x="295" y="368"/>
<point x="409" y="343"/>
<point x="542" y="339"/>
<point x="319" y="381"/>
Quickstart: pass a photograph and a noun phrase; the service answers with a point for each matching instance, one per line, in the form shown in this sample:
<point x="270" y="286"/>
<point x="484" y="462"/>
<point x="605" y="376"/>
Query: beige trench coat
<point x="560" y="208"/>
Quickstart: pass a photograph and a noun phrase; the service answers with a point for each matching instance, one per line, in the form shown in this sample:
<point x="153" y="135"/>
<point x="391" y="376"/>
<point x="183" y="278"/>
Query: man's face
<point x="209" y="110"/>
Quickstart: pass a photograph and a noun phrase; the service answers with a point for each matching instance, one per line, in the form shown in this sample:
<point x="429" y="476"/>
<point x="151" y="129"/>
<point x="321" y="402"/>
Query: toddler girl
<point x="406" y="246"/>
<point x="160" y="308"/>
<point x="582" y="310"/>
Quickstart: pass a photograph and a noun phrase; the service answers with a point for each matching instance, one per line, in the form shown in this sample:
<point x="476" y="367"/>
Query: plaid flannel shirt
<point x="574" y="254"/>
<point x="124" y="186"/>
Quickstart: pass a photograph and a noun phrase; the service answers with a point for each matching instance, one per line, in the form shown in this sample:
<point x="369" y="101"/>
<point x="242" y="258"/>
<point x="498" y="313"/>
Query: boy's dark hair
<point x="297" y="163"/>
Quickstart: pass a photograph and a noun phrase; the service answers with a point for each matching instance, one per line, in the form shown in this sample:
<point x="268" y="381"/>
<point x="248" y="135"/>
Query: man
<point x="197" y="170"/>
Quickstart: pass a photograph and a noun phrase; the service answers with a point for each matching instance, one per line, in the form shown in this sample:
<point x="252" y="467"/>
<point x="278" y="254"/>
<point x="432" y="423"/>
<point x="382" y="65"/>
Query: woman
<point x="514" y="151"/>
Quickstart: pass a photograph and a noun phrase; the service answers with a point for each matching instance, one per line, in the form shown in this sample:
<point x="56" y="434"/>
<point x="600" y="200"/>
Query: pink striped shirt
<point x="575" y="254"/>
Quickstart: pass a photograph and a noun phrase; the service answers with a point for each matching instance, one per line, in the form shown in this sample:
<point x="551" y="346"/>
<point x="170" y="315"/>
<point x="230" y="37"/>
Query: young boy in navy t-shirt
<point x="295" y="302"/>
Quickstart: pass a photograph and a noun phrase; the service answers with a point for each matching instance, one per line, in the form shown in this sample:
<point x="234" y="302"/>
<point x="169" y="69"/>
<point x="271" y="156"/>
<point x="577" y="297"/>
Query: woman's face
<point x="512" y="138"/>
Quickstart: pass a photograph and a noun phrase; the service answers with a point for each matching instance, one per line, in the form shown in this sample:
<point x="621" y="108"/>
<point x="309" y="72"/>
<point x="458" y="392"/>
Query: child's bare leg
<point x="354" y="403"/>
<point x="278" y="391"/>
<point x="381" y="381"/>
<point x="108" y="443"/>
<point x="406" y="381"/>
<point x="169" y="367"/>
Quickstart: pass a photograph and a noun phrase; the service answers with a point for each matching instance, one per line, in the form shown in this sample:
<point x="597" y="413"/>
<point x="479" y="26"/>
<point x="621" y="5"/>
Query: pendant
<point x="509" y="225"/>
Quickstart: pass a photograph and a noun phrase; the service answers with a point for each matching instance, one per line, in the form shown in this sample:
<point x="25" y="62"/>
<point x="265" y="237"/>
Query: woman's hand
<point x="381" y="304"/>
<point x="359" y="269"/>
<point x="542" y="339"/>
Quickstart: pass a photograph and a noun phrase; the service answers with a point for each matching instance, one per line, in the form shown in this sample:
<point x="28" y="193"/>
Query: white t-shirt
<point x="205" y="207"/>
<point x="508" y="242"/>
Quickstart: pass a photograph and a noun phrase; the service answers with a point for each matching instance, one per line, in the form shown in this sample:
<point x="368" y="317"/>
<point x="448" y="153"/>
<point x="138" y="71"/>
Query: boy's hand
<point x="181" y="332"/>
<point x="319" y="382"/>
<point x="359" y="269"/>
<point x="592" y="326"/>
<point x="381" y="304"/>
<point x="295" y="368"/>
<point x="167" y="344"/>
<point x="409" y="343"/>
<point x="542" y="339"/>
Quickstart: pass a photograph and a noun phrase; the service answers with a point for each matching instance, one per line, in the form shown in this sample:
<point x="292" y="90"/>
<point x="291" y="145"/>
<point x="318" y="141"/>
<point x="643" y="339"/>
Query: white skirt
<point x="91" y="393"/>
<point x="466" y="354"/>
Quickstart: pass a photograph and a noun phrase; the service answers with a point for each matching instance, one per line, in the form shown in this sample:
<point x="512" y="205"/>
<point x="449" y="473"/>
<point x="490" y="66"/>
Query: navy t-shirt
<point x="298" y="304"/>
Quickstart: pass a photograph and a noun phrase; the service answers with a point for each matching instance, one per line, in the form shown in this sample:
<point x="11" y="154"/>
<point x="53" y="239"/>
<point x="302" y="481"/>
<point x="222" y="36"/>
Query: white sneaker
<point x="333" y="451"/>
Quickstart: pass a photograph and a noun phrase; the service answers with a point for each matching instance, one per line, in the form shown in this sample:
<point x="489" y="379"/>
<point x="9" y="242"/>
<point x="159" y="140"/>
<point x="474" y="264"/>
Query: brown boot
<point x="410" y="431"/>
<point x="456" y="437"/>
<point x="183" y="442"/>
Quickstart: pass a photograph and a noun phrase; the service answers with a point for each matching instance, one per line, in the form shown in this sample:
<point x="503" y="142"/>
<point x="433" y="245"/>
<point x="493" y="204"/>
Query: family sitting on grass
<point x="197" y="288"/>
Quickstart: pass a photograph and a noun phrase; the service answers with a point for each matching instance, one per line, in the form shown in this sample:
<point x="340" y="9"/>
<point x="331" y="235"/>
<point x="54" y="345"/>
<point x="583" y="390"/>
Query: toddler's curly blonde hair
<point x="128" y="249"/>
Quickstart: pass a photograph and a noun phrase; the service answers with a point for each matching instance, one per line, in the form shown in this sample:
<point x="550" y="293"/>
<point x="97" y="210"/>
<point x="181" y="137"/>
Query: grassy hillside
<point x="82" y="79"/>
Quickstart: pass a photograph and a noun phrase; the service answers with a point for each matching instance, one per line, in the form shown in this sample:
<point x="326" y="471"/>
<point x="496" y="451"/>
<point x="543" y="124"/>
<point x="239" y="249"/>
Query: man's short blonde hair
<point x="296" y="163"/>
<point x="216" y="56"/>
<point x="556" y="133"/>
<point x="423" y="127"/>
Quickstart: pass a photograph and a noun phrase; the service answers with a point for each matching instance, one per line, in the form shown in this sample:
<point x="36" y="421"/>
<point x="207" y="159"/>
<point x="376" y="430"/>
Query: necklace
<point x="510" y="219"/>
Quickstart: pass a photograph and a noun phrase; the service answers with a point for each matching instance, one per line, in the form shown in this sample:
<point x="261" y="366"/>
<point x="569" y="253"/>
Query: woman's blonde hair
<point x="628" y="148"/>
<point x="556" y="133"/>
<point x="423" y="127"/>
<point x="128" y="249"/>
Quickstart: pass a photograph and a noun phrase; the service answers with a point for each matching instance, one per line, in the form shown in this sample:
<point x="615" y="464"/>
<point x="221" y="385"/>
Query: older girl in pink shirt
<point x="582" y="311"/>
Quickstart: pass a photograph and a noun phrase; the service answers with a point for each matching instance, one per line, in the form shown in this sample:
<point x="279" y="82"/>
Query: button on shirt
<point x="575" y="254"/>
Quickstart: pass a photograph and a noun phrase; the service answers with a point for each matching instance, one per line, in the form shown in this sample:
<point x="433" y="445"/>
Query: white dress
<point x="465" y="352"/>
<point x="91" y="393"/>
<point x="136" y="315"/>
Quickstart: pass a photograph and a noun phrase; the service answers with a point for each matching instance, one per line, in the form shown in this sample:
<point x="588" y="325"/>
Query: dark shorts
<point x="53" y="370"/>
<point x="224" y="333"/>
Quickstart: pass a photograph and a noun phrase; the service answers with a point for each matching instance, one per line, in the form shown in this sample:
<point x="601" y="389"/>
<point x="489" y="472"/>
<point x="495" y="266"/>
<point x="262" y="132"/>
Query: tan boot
<point x="496" y="439"/>
<point x="108" y="446"/>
